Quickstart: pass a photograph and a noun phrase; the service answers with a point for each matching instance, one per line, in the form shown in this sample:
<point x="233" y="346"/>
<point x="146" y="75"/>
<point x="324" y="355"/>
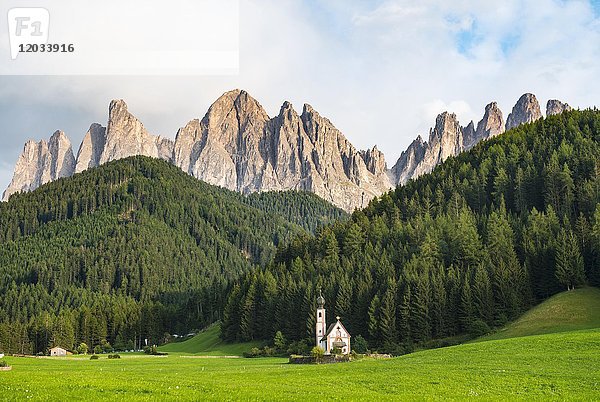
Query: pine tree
<point x="569" y="262"/>
<point x="508" y="276"/>
<point x="374" y="331"/>
<point x="539" y="243"/>
<point x="483" y="301"/>
<point x="387" y="315"/>
<point x="594" y="272"/>
<point x="230" y="324"/>
<point x="353" y="240"/>
<point x="420" y="300"/>
<point x="343" y="300"/>
<point x="466" y="308"/>
<point x="404" y="330"/>
<point x="248" y="314"/>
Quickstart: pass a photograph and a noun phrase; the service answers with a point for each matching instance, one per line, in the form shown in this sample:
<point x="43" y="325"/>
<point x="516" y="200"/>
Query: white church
<point x="332" y="337"/>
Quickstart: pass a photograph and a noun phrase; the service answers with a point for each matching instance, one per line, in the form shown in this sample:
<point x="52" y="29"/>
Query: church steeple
<point x="321" y="322"/>
<point x="320" y="300"/>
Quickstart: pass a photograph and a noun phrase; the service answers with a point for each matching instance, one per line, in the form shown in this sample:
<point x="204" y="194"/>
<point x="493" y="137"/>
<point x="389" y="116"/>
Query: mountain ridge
<point x="238" y="146"/>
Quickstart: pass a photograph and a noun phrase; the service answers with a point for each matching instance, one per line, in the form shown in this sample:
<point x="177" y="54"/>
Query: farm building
<point x="57" y="351"/>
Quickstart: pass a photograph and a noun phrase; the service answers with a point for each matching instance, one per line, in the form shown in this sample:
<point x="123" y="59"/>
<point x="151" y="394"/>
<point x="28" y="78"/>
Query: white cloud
<point x="379" y="72"/>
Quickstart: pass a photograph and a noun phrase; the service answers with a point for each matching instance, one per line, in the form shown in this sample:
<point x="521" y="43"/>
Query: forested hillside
<point x="132" y="250"/>
<point x="470" y="246"/>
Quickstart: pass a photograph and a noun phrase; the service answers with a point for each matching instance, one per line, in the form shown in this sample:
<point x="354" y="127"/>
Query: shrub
<point x="356" y="356"/>
<point x="82" y="348"/>
<point x="478" y="328"/>
<point x="152" y="350"/>
<point x="360" y="345"/>
<point x="3" y="363"/>
<point x="395" y="349"/>
<point x="94" y="357"/>
<point x="299" y="348"/>
<point x="98" y="350"/>
<point x="106" y="348"/>
<point x="115" y="356"/>
<point x="254" y="352"/>
<point x="279" y="343"/>
<point x="268" y="352"/>
<point x="501" y="320"/>
<point x="317" y="352"/>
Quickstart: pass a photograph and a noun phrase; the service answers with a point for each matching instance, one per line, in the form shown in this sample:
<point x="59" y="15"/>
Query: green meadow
<point x="566" y="311"/>
<point x="551" y="352"/>
<point x="557" y="366"/>
<point x="208" y="343"/>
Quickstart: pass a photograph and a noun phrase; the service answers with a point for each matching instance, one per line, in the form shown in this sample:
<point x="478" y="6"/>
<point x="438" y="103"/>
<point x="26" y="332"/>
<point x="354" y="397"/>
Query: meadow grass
<point x="557" y="366"/>
<point x="567" y="311"/>
<point x="209" y="343"/>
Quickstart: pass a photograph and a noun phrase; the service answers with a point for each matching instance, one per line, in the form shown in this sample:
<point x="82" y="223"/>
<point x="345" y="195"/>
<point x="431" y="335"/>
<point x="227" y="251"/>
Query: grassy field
<point x="208" y="343"/>
<point x="566" y="311"/>
<point x="559" y="366"/>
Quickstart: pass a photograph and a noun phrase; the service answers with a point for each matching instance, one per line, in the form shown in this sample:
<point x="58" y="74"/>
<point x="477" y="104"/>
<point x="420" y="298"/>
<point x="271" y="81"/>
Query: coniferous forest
<point x="133" y="250"/>
<point x="472" y="245"/>
<point x="137" y="249"/>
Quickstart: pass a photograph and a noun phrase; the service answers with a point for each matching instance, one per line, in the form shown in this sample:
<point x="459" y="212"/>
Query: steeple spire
<point x="320" y="300"/>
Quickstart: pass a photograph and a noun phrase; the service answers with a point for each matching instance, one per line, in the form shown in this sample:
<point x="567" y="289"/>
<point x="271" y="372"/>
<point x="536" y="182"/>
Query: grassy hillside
<point x="555" y="366"/>
<point x="209" y="343"/>
<point x="566" y="311"/>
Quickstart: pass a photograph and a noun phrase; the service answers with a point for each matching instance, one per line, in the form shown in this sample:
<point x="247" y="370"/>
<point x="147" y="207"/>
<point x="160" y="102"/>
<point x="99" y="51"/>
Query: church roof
<point x="332" y="327"/>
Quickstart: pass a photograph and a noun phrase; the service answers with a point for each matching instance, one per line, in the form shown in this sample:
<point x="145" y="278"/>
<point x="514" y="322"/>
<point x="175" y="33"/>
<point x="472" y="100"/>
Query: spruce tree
<point x="569" y="262"/>
<point x="387" y="315"/>
<point x="374" y="331"/>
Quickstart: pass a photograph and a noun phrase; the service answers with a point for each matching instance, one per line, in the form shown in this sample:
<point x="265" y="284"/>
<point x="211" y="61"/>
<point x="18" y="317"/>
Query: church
<point x="333" y="337"/>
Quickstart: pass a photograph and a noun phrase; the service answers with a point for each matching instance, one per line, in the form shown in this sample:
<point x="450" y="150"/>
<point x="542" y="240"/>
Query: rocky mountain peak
<point x="554" y="106"/>
<point x="445" y="139"/>
<point x="236" y="145"/>
<point x="42" y="162"/>
<point x="374" y="160"/>
<point x="117" y="106"/>
<point x="447" y="135"/>
<point x="287" y="111"/>
<point x="90" y="150"/>
<point x="61" y="152"/>
<point x="126" y="135"/>
<point x="469" y="138"/>
<point x="404" y="168"/>
<point x="443" y="121"/>
<point x="238" y="102"/>
<point x="526" y="110"/>
<point x="491" y="125"/>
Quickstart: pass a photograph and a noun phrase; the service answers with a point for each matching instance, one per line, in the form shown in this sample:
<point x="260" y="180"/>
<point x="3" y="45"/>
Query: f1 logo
<point x="27" y="26"/>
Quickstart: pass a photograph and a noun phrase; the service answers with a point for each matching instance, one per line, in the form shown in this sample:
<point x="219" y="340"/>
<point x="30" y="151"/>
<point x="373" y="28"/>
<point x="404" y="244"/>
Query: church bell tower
<point x="321" y="325"/>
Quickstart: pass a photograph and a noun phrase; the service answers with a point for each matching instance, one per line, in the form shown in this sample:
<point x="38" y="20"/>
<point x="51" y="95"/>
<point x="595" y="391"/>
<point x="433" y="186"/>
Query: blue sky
<point x="379" y="70"/>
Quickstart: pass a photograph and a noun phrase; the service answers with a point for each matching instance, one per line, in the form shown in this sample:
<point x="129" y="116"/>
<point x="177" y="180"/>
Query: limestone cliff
<point x="526" y="110"/>
<point x="237" y="145"/>
<point x="42" y="162"/>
